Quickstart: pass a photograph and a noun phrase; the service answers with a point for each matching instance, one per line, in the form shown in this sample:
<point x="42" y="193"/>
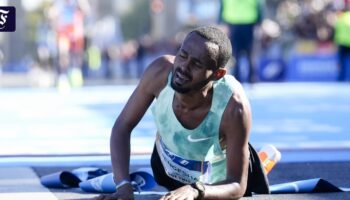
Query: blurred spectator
<point x="241" y="17"/>
<point x="313" y="20"/>
<point x="68" y="21"/>
<point x="128" y="53"/>
<point x="94" y="59"/>
<point x="140" y="55"/>
<point x="342" y="39"/>
<point x="270" y="31"/>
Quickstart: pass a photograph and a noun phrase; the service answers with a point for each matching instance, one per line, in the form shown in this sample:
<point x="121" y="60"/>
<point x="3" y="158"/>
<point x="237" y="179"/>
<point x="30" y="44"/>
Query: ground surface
<point x="308" y="122"/>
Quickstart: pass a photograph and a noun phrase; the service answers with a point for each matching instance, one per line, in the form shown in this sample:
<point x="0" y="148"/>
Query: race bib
<point x="183" y="170"/>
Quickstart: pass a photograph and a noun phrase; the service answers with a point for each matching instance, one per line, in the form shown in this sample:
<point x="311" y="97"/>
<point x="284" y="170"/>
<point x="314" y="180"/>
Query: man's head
<point x="216" y="36"/>
<point x="201" y="59"/>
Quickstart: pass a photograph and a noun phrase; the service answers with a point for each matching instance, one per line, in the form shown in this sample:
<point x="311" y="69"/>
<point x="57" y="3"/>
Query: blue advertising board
<point x="312" y="67"/>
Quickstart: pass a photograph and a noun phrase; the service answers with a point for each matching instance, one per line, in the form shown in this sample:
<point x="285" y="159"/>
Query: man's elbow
<point x="238" y="191"/>
<point x="115" y="128"/>
<point x="119" y="136"/>
<point x="120" y="130"/>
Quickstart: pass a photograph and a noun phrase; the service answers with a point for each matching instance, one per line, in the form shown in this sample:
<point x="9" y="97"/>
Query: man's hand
<point x="125" y="192"/>
<point x="183" y="193"/>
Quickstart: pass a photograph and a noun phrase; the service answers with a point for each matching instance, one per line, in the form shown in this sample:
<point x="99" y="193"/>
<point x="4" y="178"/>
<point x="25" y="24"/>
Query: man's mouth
<point x="180" y="78"/>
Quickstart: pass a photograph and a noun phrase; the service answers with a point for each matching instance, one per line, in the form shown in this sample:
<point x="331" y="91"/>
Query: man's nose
<point x="186" y="65"/>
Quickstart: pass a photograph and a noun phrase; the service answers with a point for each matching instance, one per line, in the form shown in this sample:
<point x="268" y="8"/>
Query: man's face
<point x="194" y="64"/>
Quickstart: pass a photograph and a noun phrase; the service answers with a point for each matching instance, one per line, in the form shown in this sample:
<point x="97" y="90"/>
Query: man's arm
<point x="235" y="127"/>
<point x="138" y="103"/>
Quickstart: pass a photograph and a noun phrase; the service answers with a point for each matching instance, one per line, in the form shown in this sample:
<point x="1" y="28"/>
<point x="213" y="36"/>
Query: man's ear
<point x="219" y="73"/>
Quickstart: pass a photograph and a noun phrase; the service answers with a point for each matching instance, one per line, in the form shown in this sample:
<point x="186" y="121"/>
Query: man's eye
<point x="182" y="55"/>
<point x="197" y="64"/>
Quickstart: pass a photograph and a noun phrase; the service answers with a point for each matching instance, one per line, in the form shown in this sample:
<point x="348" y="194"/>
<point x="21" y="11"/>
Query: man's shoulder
<point x="156" y="75"/>
<point x="237" y="112"/>
<point x="230" y="83"/>
<point x="235" y="85"/>
<point x="238" y="99"/>
<point x="162" y="64"/>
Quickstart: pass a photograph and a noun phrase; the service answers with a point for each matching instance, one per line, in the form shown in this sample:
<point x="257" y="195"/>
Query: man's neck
<point x="193" y="100"/>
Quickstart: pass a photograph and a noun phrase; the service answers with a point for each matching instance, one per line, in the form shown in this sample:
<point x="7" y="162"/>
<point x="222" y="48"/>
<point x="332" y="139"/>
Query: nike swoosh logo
<point x="189" y="138"/>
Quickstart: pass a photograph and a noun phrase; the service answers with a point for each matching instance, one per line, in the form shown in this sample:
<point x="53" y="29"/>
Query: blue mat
<point x="67" y="179"/>
<point x="142" y="181"/>
<point x="306" y="186"/>
<point x="100" y="181"/>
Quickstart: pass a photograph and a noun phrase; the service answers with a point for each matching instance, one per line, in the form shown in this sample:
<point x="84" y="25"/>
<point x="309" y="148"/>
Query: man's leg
<point x="236" y="50"/>
<point x="257" y="179"/>
<point x="237" y="67"/>
<point x="252" y="73"/>
<point x="242" y="42"/>
<point x="247" y="45"/>
<point x="341" y="63"/>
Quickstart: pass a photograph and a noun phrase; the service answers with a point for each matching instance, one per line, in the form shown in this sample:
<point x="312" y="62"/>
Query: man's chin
<point x="179" y="89"/>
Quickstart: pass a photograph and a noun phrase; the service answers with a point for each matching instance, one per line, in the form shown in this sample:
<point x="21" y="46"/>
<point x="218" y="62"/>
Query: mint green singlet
<point x="192" y="155"/>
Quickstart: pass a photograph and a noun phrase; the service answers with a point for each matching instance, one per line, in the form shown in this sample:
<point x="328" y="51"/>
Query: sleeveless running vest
<point x="192" y="155"/>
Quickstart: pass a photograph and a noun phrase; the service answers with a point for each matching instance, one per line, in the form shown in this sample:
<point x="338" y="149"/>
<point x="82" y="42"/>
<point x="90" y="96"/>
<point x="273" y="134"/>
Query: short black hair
<point x="216" y="36"/>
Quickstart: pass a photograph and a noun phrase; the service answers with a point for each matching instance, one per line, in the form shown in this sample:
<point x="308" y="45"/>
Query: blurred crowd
<point x="74" y="44"/>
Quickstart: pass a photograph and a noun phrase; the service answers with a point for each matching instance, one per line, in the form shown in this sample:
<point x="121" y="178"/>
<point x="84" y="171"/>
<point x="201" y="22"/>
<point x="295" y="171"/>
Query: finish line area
<point x="41" y="127"/>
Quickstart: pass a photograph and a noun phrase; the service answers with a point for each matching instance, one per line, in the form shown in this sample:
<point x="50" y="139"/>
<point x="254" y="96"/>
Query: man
<point x="342" y="39"/>
<point x="203" y="119"/>
<point x="241" y="18"/>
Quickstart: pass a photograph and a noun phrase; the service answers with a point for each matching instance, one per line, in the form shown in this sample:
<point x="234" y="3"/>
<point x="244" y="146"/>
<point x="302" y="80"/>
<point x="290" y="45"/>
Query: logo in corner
<point x="7" y="19"/>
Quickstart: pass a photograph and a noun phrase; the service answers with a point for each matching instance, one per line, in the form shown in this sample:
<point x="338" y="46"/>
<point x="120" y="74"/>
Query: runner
<point x="203" y="119"/>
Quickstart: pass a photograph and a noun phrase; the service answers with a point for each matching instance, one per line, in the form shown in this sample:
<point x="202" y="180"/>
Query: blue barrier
<point x="312" y="67"/>
<point x="271" y="69"/>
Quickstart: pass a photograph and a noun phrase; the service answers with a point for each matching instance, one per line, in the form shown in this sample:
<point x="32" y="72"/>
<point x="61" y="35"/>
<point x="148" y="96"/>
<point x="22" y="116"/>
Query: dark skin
<point x="193" y="76"/>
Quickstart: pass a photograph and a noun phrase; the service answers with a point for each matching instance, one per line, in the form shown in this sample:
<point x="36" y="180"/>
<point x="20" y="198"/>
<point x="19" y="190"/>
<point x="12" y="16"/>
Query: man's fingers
<point x="116" y="197"/>
<point x="165" y="196"/>
<point x="107" y="197"/>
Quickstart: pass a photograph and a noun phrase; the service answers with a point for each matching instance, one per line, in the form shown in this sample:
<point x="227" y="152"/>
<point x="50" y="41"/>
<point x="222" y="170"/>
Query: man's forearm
<point x="226" y="191"/>
<point x="120" y="154"/>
